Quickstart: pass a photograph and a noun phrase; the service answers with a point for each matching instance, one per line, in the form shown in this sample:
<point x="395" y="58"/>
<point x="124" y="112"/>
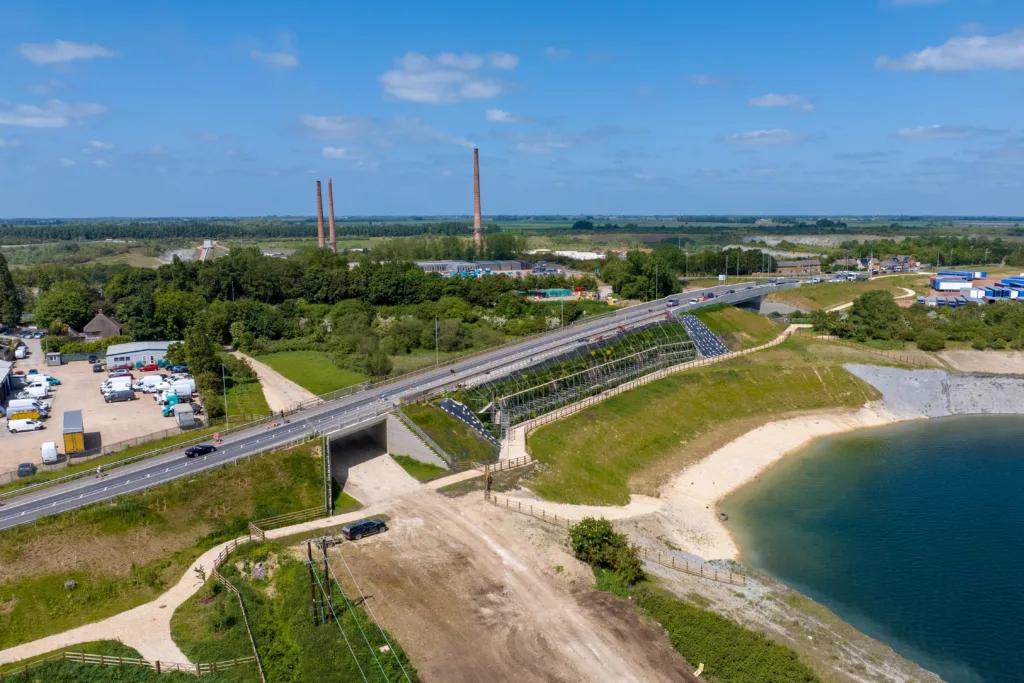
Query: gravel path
<point x="281" y="393"/>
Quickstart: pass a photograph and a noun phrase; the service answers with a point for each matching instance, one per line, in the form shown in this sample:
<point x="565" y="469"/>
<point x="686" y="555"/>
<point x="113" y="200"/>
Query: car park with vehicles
<point x="367" y="527"/>
<point x="201" y="449"/>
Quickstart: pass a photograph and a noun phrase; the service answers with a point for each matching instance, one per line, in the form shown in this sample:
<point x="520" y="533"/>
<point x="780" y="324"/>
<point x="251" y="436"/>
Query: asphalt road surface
<point x="344" y="411"/>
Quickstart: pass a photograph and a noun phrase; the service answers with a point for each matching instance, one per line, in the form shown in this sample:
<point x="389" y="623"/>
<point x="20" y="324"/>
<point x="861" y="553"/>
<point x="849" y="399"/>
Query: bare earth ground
<point x="281" y="392"/>
<point x="478" y="594"/>
<point x="998" y="362"/>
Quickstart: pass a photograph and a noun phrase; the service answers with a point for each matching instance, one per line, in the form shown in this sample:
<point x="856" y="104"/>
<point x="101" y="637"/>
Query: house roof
<point x="797" y="264"/>
<point x="102" y="326"/>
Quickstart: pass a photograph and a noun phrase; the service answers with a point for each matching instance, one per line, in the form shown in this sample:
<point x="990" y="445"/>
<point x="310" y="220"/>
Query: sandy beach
<point x="692" y="495"/>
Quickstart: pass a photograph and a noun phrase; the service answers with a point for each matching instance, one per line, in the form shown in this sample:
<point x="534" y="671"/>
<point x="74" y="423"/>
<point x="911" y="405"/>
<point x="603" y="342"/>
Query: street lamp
<point x="437" y="345"/>
<point x="224" y="383"/>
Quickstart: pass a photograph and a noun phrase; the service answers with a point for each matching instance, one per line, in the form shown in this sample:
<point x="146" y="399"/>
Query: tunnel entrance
<point x="356" y="448"/>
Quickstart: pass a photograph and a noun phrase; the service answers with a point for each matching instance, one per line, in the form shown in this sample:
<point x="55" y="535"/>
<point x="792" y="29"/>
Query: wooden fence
<point x="892" y="355"/>
<point x="287" y="519"/>
<point x="502" y="465"/>
<point x="221" y="558"/>
<point x="199" y="669"/>
<point x="700" y="569"/>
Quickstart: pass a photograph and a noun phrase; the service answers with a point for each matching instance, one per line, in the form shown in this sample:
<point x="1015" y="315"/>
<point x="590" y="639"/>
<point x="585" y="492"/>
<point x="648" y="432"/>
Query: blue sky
<point x="736" y="106"/>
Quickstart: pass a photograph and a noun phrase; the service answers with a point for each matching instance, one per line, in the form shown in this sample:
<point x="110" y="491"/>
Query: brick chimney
<point x="330" y="218"/>
<point x="478" y="237"/>
<point x="319" y="216"/>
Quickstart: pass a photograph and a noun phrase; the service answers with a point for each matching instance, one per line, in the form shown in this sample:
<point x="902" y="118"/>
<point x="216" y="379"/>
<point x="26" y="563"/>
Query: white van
<point x="148" y="383"/>
<point x="15" y="426"/>
<point x="35" y="392"/>
<point x="115" y="383"/>
<point x="49" y="451"/>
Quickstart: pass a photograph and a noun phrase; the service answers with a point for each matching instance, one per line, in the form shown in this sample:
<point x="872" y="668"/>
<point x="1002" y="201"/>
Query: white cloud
<point x="706" y="79"/>
<point x="9" y="143"/>
<point x="463" y="61"/>
<point x="503" y="60"/>
<point x="61" y="51"/>
<point x="51" y="114"/>
<point x="282" y="60"/>
<point x="380" y="132"/>
<point x="447" y="79"/>
<point x="67" y="162"/>
<point x="973" y="28"/>
<point x="47" y="87"/>
<point x="100" y="163"/>
<point x="501" y="116"/>
<point x="340" y="153"/>
<point x="964" y="53"/>
<point x="941" y="132"/>
<point x="775" y="100"/>
<point x="766" y="138"/>
<point x="97" y="146"/>
<point x="557" y="53"/>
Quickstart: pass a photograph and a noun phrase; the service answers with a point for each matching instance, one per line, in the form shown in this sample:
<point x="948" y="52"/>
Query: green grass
<point x="828" y="294"/>
<point x="594" y="456"/>
<point x="129" y="550"/>
<point x="500" y="482"/>
<point x="454" y="436"/>
<point x="246" y="398"/>
<point x="209" y="625"/>
<point x="738" y="328"/>
<point x="312" y="370"/>
<point x="420" y="471"/>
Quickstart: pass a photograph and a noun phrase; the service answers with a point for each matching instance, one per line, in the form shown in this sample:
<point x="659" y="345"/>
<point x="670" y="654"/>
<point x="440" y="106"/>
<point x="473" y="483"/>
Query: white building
<point x="133" y="353"/>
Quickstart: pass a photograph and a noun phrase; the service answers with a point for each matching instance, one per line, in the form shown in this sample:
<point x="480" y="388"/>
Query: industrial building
<point x="512" y="268"/>
<point x="798" y="267"/>
<point x="6" y="390"/>
<point x="136" y="353"/>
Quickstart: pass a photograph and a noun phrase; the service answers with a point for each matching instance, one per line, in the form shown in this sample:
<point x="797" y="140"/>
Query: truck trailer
<point x="74" y="432"/>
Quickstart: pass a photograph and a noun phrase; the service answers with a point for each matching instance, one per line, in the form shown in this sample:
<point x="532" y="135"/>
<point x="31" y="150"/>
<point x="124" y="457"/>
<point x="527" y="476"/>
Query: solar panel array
<point x="461" y="412"/>
<point x="708" y="345"/>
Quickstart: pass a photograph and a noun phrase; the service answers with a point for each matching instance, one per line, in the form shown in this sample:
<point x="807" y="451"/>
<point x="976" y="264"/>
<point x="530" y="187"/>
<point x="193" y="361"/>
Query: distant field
<point x="634" y="441"/>
<point x="312" y="370"/>
<point x="827" y="295"/>
<point x="738" y="328"/>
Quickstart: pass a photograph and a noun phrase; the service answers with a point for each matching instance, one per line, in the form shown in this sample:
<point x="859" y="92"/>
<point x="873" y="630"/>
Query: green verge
<point x="454" y="436"/>
<point x="128" y="551"/>
<point x="312" y="370"/>
<point x="829" y="294"/>
<point x="591" y="456"/>
<point x="737" y="328"/>
<point x="420" y="471"/>
<point x="209" y="626"/>
<point x="73" y="672"/>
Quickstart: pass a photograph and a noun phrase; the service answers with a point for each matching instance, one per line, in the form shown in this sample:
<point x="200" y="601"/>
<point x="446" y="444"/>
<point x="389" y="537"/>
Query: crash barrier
<point x="705" y="571"/>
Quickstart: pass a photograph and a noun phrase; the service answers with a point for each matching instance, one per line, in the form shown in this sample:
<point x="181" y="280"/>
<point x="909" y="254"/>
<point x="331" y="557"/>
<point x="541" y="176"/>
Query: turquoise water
<point x="913" y="533"/>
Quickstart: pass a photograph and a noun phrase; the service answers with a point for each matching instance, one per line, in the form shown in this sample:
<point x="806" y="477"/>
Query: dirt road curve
<point x="281" y="393"/>
<point x="477" y="594"/>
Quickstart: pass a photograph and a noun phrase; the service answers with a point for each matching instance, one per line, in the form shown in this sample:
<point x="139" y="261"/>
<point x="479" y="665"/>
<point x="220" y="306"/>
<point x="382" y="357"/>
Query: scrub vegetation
<point x="830" y="294"/>
<point x="454" y="436"/>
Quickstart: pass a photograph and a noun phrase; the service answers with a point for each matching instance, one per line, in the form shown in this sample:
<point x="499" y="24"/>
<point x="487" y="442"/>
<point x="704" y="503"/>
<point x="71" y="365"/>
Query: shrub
<point x="931" y="340"/>
<point x="596" y="542"/>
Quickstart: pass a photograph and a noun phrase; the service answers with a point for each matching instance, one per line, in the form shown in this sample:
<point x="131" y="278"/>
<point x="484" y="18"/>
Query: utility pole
<point x="224" y="382"/>
<point x="312" y="582"/>
<point x="655" y="281"/>
<point x="562" y="301"/>
<point x="687" y="265"/>
<point x="437" y="343"/>
<point x="726" y="267"/>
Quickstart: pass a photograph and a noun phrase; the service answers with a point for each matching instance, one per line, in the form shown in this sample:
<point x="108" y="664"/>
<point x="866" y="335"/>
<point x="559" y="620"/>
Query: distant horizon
<point x="895" y="217"/>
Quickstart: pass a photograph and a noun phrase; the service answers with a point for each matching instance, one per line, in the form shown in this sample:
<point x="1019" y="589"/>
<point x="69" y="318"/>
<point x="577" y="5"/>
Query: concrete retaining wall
<point x="401" y="441"/>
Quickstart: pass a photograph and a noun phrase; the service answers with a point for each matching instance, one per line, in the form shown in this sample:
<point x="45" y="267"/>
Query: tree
<point x="199" y="350"/>
<point x="931" y="340"/>
<point x="11" y="304"/>
<point x="378" y="364"/>
<point x="583" y="225"/>
<point x="66" y="301"/>
<point x="876" y="314"/>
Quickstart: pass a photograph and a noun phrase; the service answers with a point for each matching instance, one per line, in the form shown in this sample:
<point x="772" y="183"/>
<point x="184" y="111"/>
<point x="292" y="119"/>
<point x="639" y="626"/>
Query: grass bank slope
<point x="127" y="551"/>
<point x="312" y="370"/>
<point x="454" y="436"/>
<point x="632" y="441"/>
<point x="827" y="294"/>
<point x="738" y="328"/>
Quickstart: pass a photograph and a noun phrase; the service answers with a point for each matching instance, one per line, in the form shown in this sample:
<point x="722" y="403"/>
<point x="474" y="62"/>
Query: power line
<point x="370" y="610"/>
<point x="355" y="618"/>
<point x="354" y="658"/>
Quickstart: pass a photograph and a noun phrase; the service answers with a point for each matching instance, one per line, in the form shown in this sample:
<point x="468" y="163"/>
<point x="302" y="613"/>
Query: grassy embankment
<point x="634" y="441"/>
<point x="454" y="436"/>
<point x="312" y="370"/>
<point x="830" y="294"/>
<point x="737" y="328"/>
<point x="420" y="471"/>
<point x="127" y="551"/>
<point x="209" y="626"/>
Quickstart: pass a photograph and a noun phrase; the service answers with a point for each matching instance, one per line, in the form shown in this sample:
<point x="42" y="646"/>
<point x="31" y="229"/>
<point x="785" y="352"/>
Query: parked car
<point x="201" y="449"/>
<point x="120" y="372"/>
<point x="150" y="367"/>
<point x="26" y="469"/>
<point x="119" y="394"/>
<point x="15" y="426"/>
<point x="180" y="368"/>
<point x="98" y="367"/>
<point x="93" y="358"/>
<point x="33" y="371"/>
<point x="368" y="527"/>
<point x="124" y="366"/>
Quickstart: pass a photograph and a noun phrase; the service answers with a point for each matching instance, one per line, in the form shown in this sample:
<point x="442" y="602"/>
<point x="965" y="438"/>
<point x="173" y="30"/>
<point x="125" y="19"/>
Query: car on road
<point x="150" y="367"/>
<point x="693" y="301"/>
<point x="15" y="426"/>
<point x="26" y="469"/>
<point x="201" y="449"/>
<point x="733" y="291"/>
<point x="367" y="527"/>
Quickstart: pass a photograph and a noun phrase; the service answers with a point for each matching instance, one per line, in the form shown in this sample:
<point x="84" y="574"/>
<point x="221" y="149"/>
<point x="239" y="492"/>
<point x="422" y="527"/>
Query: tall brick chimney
<point x="330" y="206"/>
<point x="478" y="237"/>
<point x="319" y="216"/>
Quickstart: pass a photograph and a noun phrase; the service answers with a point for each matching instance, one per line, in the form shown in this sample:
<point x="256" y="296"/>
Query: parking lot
<point x="105" y="423"/>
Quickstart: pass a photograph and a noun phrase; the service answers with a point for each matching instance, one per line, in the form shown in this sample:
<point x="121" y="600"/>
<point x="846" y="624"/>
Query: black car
<point x="26" y="469"/>
<point x="201" y="449"/>
<point x="367" y="527"/>
<point x="98" y="367"/>
<point x="93" y="358"/>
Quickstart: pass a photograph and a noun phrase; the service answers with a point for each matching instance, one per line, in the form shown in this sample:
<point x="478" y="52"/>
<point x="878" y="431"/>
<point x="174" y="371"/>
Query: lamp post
<point x="437" y="345"/>
<point x="224" y="383"/>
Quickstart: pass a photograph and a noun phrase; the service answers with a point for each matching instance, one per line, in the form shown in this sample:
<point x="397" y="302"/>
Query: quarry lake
<point x="911" y="533"/>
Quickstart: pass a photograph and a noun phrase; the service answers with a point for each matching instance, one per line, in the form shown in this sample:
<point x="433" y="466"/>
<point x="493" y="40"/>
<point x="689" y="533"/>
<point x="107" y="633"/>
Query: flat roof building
<point x="134" y="353"/>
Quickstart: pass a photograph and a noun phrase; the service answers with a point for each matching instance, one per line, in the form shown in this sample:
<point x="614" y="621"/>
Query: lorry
<point x="26" y="409"/>
<point x="171" y="401"/>
<point x="74" y="432"/>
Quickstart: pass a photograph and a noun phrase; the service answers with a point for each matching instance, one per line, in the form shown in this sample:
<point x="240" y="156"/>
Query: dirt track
<point x="476" y="594"/>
